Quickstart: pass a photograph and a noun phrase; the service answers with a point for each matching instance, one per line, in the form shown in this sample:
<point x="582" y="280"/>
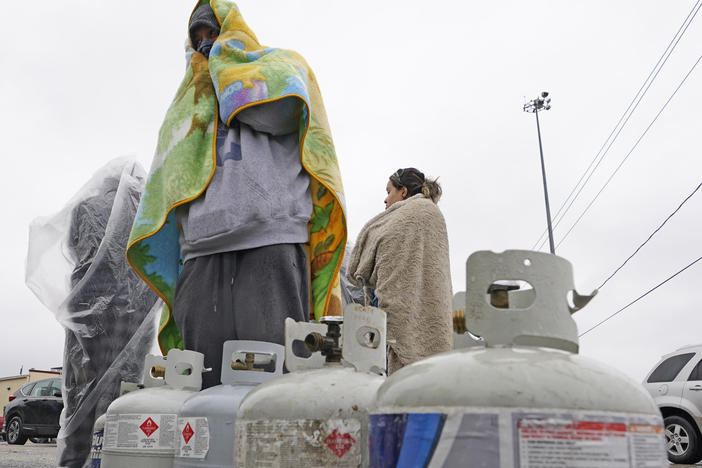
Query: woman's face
<point x="394" y="194"/>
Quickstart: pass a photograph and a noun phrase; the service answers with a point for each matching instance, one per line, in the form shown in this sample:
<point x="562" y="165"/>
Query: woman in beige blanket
<point x="403" y="254"/>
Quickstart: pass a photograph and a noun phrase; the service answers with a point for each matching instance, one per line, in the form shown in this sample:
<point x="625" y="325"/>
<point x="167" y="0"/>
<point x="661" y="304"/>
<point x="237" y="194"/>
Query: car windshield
<point x="668" y="369"/>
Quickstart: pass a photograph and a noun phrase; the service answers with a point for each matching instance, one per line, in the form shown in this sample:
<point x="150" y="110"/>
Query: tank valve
<point x="328" y="345"/>
<point x="248" y="363"/>
<point x="158" y="371"/>
<point x="459" y="321"/>
<point x="499" y="294"/>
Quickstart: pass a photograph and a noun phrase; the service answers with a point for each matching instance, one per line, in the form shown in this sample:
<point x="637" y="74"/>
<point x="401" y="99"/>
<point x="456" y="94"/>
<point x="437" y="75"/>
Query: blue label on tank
<point x="96" y="451"/>
<point x="404" y="440"/>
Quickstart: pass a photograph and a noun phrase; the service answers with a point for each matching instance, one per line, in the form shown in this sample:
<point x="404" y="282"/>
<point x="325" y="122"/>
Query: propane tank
<point x="206" y="419"/>
<point x="524" y="398"/>
<point x="141" y="426"/>
<point x="317" y="415"/>
<point x="95" y="456"/>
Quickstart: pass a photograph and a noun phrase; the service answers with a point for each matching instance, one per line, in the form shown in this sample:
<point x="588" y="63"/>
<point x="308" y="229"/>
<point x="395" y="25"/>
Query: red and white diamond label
<point x="277" y="443"/>
<point x="187" y="433"/>
<point x="339" y="443"/>
<point x="148" y="432"/>
<point x="194" y="440"/>
<point x="148" y="427"/>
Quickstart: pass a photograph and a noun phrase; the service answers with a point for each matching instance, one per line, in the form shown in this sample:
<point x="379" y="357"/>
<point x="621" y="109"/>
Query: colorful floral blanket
<point x="240" y="73"/>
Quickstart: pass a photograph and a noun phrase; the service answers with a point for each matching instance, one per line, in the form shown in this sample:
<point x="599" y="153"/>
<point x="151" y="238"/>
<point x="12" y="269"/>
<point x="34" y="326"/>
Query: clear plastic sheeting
<point x="77" y="267"/>
<point x="350" y="294"/>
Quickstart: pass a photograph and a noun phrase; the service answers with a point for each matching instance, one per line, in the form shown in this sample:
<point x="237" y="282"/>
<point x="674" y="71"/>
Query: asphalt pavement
<point x="44" y="456"/>
<point x="29" y="455"/>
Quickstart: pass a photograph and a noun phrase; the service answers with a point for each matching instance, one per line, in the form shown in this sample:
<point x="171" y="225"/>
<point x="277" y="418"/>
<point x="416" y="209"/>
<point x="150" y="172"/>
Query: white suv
<point x="676" y="385"/>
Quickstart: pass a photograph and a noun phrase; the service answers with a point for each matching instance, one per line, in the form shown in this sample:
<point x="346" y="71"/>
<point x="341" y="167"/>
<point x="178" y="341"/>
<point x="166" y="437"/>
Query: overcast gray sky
<point x="437" y="85"/>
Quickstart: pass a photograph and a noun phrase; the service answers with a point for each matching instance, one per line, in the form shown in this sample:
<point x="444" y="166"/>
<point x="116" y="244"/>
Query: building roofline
<point x="45" y="371"/>
<point x="14" y="377"/>
<point x="11" y="377"/>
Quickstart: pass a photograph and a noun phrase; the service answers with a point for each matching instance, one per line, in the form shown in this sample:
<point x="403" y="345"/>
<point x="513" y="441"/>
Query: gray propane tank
<point x="141" y="426"/>
<point x="525" y="398"/>
<point x="206" y="419"/>
<point x="317" y="415"/>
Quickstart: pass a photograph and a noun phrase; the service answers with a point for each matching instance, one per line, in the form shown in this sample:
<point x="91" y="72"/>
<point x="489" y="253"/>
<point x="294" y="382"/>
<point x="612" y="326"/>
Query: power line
<point x="650" y="237"/>
<point x="674" y="42"/>
<point x="629" y="153"/>
<point x="640" y="297"/>
<point x="666" y="53"/>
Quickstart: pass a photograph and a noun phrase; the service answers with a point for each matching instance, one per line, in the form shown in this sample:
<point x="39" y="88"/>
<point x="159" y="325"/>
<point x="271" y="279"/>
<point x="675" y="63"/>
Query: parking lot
<point x="44" y="456"/>
<point x="29" y="455"/>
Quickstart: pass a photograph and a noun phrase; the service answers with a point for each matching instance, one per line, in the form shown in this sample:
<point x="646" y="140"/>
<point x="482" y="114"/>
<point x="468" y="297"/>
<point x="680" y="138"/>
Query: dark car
<point x="33" y="411"/>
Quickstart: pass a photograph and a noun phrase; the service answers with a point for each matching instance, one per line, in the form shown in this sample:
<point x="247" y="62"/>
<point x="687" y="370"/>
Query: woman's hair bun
<point x="432" y="189"/>
<point x="415" y="182"/>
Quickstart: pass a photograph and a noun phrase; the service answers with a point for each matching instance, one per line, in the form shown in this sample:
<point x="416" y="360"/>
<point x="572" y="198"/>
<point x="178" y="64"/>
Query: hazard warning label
<point x="140" y="431"/>
<point x="278" y="443"/>
<point x="588" y="440"/>
<point x="644" y="443"/>
<point x="549" y="441"/>
<point x="194" y="437"/>
<point x="187" y="433"/>
<point x="339" y="443"/>
<point x="517" y="438"/>
<point x="148" y="427"/>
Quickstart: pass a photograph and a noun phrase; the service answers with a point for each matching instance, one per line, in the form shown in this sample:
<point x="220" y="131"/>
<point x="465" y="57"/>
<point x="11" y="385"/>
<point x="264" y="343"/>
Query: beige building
<point x="8" y="385"/>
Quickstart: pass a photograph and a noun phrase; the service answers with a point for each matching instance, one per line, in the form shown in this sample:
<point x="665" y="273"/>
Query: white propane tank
<point x="95" y="457"/>
<point x="206" y="419"/>
<point x="141" y="426"/>
<point x="317" y="415"/>
<point x="525" y="399"/>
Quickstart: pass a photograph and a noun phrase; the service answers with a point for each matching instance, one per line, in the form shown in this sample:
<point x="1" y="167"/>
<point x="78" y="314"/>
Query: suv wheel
<point x="681" y="440"/>
<point x="15" y="436"/>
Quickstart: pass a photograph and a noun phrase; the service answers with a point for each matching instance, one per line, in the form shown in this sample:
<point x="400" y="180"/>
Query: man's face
<point x="203" y="33"/>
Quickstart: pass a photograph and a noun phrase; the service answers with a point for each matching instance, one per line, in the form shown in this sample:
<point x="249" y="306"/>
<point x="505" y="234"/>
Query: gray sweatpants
<point x="242" y="295"/>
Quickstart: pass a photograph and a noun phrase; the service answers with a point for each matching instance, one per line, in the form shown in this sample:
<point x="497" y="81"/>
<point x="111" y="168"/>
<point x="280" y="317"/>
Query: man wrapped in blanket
<point x="242" y="222"/>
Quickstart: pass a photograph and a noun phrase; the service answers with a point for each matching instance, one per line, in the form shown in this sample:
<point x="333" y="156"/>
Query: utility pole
<point x="543" y="102"/>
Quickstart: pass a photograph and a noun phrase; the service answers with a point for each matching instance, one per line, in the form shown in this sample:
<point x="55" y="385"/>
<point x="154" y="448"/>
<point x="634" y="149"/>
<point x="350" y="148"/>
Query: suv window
<point x="55" y="387"/>
<point x="42" y="388"/>
<point x="668" y="369"/>
<point x="696" y="373"/>
<point x="27" y="389"/>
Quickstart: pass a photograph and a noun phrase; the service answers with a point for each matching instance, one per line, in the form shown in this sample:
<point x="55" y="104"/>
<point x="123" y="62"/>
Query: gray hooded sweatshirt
<point x="259" y="194"/>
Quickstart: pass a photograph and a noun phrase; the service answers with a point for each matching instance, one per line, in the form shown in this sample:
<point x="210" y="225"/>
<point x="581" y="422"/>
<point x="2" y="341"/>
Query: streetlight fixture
<point x="543" y="102"/>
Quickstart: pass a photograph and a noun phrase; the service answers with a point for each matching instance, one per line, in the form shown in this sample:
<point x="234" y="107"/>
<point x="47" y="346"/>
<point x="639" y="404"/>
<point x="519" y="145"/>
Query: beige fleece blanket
<point x="403" y="253"/>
